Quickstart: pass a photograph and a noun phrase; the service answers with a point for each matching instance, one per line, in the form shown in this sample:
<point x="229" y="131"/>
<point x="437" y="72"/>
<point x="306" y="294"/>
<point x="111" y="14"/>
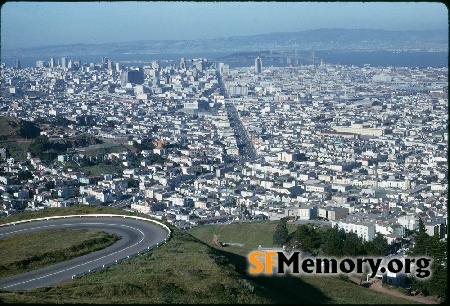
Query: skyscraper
<point x="40" y="64"/>
<point x="110" y="64"/>
<point x="199" y="64"/>
<point x="258" y="65"/>
<point x="182" y="63"/>
<point x="64" y="62"/>
<point x="155" y="64"/>
<point x="76" y="64"/>
<point x="16" y="64"/>
<point x="132" y="76"/>
<point x="52" y="62"/>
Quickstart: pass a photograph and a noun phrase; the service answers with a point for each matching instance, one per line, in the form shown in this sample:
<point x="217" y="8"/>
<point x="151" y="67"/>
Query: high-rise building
<point x="16" y="64"/>
<point x="258" y="65"/>
<point x="200" y="65"/>
<point x="155" y="64"/>
<point x="76" y="64"/>
<point x="117" y="67"/>
<point x="110" y="64"/>
<point x="64" y="62"/>
<point x="40" y="64"/>
<point x="132" y="76"/>
<point x="52" y="62"/>
<point x="224" y="68"/>
<point x="182" y="63"/>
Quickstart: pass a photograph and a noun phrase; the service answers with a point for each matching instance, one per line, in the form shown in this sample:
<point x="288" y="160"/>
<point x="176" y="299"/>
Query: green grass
<point x="98" y="169"/>
<point x="12" y="126"/>
<point x="441" y="132"/>
<point x="251" y="234"/>
<point x="64" y="211"/>
<point x="26" y="252"/>
<point x="101" y="169"/>
<point x="288" y="288"/>
<point x="15" y="149"/>
<point x="5" y="127"/>
<point x="106" y="148"/>
<point x="189" y="271"/>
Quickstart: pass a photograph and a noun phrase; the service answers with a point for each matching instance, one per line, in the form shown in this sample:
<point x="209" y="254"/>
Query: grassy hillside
<point x="320" y="289"/>
<point x="11" y="130"/>
<point x="26" y="252"/>
<point x="187" y="270"/>
<point x="15" y="149"/>
<point x="15" y="127"/>
<point x="251" y="234"/>
<point x="63" y="211"/>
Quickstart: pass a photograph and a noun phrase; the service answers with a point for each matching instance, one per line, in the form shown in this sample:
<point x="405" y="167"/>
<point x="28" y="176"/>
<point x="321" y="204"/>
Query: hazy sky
<point x="30" y="24"/>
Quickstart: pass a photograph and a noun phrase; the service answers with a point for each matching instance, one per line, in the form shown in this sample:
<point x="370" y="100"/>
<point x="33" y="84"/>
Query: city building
<point x="333" y="213"/>
<point x="135" y="76"/>
<point x="17" y="64"/>
<point x="40" y="64"/>
<point x="364" y="230"/>
<point x="64" y="62"/>
<point x="258" y="65"/>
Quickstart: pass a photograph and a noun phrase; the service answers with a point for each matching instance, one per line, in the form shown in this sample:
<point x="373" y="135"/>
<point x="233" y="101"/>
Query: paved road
<point x="247" y="151"/>
<point x="136" y="235"/>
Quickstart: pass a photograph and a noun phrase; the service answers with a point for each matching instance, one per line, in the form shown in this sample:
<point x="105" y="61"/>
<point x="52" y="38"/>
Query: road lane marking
<point x="85" y="263"/>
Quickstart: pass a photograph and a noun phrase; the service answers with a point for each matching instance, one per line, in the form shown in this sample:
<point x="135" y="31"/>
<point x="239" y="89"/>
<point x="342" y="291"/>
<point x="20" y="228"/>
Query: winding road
<point x="136" y="234"/>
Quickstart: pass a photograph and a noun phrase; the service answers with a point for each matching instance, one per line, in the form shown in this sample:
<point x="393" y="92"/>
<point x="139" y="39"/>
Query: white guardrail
<point x="102" y="215"/>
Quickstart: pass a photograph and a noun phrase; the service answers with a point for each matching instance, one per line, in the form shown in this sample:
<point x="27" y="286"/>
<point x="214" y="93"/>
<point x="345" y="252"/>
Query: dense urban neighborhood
<point x="177" y="152"/>
<point x="364" y="148"/>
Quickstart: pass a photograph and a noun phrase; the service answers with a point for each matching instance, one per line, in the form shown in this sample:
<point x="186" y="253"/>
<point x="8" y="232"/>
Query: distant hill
<point x="11" y="127"/>
<point x="350" y="39"/>
<point x="309" y="40"/>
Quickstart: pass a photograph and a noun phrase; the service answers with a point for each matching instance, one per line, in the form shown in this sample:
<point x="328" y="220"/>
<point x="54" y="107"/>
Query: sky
<point x="33" y="24"/>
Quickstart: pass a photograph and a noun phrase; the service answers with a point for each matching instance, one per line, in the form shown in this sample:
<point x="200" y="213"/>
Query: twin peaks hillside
<point x="11" y="127"/>
<point x="187" y="270"/>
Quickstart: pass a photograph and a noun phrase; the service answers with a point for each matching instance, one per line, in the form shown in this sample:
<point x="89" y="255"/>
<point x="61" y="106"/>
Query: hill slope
<point x="11" y="127"/>
<point x="186" y="270"/>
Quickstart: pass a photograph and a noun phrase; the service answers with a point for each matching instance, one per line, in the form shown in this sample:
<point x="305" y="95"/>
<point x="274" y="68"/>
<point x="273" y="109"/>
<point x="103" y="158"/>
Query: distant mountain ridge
<point x="309" y="40"/>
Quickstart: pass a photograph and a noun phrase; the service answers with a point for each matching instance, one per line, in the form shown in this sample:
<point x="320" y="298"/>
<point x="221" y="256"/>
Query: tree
<point x="25" y="175"/>
<point x="437" y="250"/>
<point x="38" y="146"/>
<point x="352" y="245"/>
<point x="50" y="185"/>
<point x="332" y="242"/>
<point x="431" y="247"/>
<point x="378" y="246"/>
<point x="280" y="236"/>
<point x="308" y="237"/>
<point x="421" y="241"/>
<point x="132" y="183"/>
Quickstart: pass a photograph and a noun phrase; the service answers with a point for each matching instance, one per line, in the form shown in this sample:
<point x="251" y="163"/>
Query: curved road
<point x="136" y="236"/>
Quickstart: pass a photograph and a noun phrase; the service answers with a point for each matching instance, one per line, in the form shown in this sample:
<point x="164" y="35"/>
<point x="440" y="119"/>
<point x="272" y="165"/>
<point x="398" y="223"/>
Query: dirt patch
<point x="376" y="286"/>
